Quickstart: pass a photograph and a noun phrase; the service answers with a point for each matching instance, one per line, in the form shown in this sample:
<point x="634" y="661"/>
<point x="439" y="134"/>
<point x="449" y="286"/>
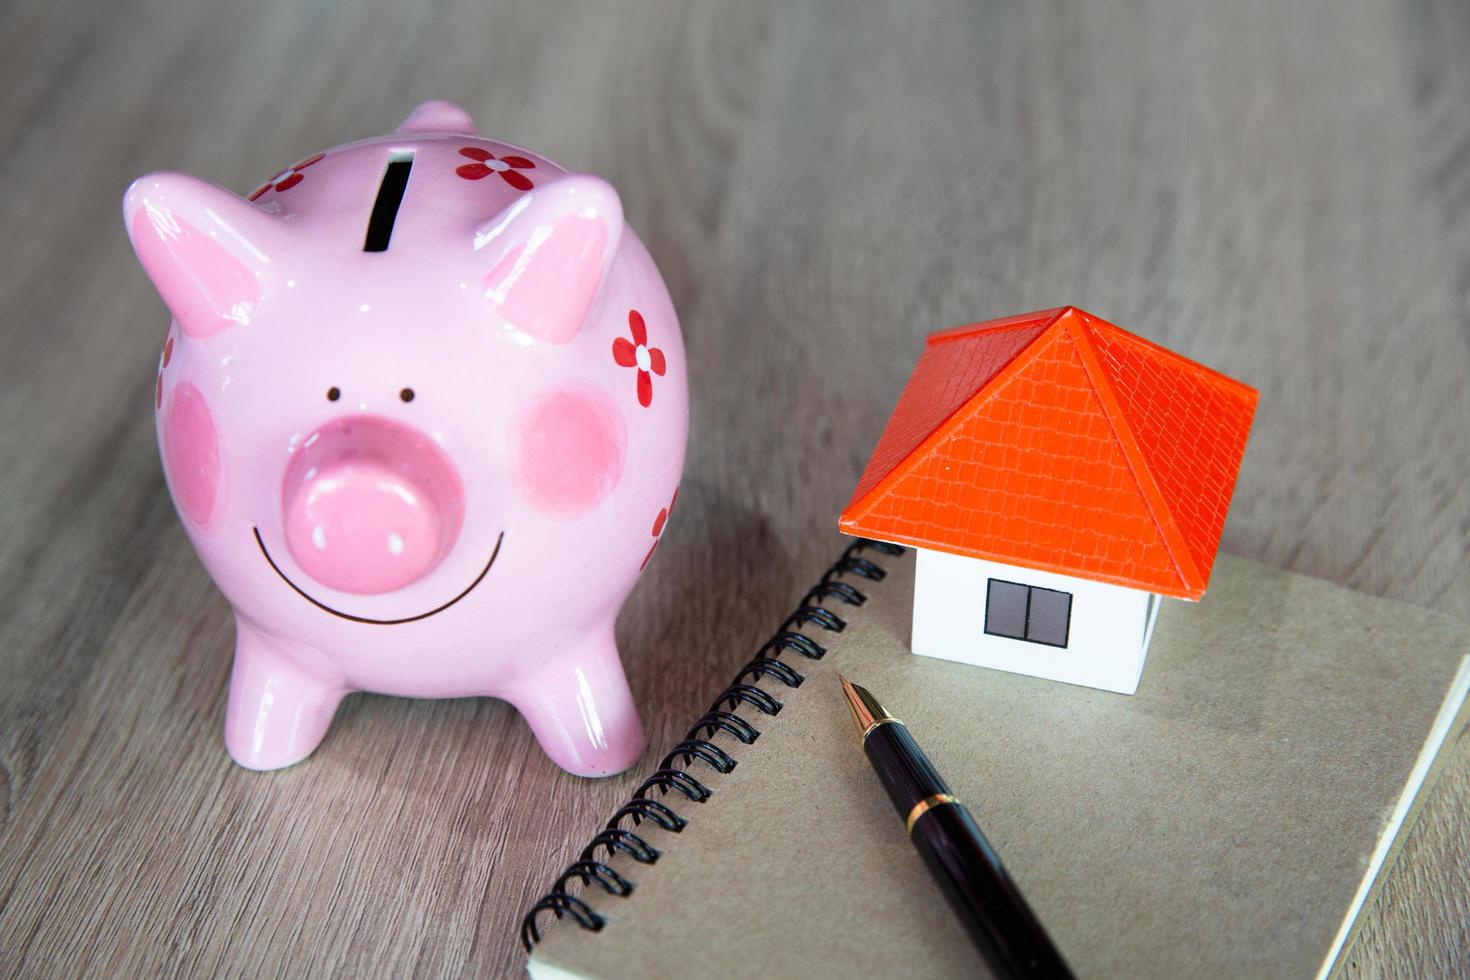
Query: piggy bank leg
<point x="580" y="709"/>
<point x="278" y="711"/>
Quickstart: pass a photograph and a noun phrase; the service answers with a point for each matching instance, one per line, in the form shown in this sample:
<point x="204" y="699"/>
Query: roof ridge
<point x="857" y="509"/>
<point x="1103" y="326"/>
<point x="1148" y="488"/>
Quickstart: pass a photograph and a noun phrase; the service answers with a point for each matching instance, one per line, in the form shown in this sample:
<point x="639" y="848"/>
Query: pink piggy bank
<point x="422" y="409"/>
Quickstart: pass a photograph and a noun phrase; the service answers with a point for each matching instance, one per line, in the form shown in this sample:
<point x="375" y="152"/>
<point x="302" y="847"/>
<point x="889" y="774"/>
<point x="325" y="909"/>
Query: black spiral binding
<point x="673" y="773"/>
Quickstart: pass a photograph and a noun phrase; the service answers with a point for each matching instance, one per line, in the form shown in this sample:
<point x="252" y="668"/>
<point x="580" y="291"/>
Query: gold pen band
<point x="924" y="806"/>
<point x="881" y="721"/>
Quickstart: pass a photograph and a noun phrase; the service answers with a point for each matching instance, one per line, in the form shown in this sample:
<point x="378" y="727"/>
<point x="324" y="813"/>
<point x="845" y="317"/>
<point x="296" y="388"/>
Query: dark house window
<point x="1027" y="612"/>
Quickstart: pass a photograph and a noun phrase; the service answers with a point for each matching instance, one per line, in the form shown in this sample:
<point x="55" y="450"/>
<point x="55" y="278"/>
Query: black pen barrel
<point x="993" y="910"/>
<point x="969" y="873"/>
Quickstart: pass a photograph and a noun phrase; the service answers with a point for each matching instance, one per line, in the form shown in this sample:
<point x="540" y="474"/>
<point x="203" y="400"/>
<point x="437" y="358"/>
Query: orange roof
<point x="1057" y="441"/>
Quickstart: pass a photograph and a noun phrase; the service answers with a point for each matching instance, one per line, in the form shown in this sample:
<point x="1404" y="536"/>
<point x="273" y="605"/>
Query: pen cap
<point x="906" y="773"/>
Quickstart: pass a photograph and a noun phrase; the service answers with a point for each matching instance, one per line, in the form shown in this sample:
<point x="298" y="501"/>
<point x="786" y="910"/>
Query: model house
<point x="1059" y="477"/>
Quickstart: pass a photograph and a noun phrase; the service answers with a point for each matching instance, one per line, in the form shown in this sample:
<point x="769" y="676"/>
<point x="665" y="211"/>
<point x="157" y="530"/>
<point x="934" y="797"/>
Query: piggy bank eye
<point x="334" y="393"/>
<point x="406" y="394"/>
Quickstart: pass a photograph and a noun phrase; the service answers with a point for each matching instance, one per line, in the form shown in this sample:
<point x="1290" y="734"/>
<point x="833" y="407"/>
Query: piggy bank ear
<point x="438" y="116"/>
<point x="209" y="253"/>
<point x="546" y="255"/>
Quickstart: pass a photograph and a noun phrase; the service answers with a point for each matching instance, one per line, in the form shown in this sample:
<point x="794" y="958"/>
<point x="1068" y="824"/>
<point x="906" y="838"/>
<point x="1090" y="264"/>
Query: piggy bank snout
<point x="370" y="505"/>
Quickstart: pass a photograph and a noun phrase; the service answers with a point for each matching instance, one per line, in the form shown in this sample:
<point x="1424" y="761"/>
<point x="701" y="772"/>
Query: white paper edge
<point x="545" y="971"/>
<point x="1438" y="733"/>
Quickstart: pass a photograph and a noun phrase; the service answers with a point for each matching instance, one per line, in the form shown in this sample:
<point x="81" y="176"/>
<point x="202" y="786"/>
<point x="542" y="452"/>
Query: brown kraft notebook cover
<point x="1229" y="819"/>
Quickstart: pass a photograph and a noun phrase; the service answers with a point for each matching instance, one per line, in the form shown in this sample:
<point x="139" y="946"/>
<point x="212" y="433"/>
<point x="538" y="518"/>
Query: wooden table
<point x="1281" y="191"/>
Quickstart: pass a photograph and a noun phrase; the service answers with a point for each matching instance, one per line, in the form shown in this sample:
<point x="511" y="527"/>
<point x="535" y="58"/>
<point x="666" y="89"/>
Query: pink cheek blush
<point x="191" y="453"/>
<point x="572" y="448"/>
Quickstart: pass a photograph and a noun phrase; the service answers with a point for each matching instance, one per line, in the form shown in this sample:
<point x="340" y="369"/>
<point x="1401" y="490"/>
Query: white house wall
<point x="1106" y="643"/>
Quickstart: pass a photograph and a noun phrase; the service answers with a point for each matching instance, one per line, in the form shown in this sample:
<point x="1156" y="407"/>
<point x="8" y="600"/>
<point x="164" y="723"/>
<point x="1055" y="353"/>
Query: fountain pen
<point x="959" y="857"/>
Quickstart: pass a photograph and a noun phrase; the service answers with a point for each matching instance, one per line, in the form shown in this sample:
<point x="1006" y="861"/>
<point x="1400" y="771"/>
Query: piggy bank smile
<point x="390" y="362"/>
<point x="366" y="619"/>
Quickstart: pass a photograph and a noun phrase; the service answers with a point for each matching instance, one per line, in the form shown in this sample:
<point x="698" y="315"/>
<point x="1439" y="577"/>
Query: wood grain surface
<point x="1281" y="191"/>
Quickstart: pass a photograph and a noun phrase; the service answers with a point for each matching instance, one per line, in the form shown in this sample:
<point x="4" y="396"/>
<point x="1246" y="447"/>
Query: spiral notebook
<point x="1232" y="818"/>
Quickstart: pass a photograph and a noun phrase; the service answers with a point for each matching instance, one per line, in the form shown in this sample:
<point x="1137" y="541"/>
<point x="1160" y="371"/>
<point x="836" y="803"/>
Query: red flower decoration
<point x="638" y="354"/>
<point x="288" y="178"/>
<point x="486" y="163"/>
<point x="168" y="353"/>
<point x="659" y="523"/>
